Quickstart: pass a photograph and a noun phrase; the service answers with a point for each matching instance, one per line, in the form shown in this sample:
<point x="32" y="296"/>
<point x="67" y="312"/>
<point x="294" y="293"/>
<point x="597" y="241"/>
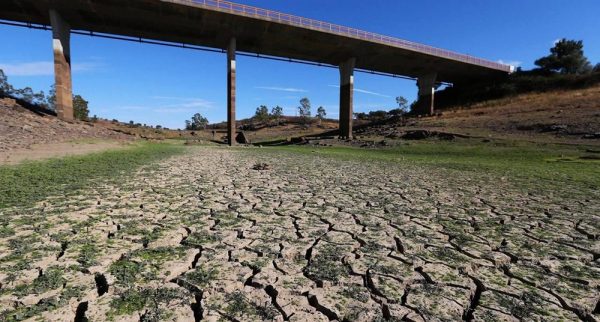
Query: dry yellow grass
<point x="523" y="116"/>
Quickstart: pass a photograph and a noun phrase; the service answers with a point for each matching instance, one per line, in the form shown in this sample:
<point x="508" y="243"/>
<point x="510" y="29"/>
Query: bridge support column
<point x="61" y="43"/>
<point x="346" y="98"/>
<point x="425" y="103"/>
<point x="231" y="128"/>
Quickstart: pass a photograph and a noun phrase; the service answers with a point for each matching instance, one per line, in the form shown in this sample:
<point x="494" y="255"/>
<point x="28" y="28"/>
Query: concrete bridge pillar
<point x="61" y="43"/>
<point x="231" y="128"/>
<point x="346" y="98"/>
<point x="425" y="103"/>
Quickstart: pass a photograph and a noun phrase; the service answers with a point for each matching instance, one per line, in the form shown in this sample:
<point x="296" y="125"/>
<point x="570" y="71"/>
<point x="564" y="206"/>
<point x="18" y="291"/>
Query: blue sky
<point x="162" y="85"/>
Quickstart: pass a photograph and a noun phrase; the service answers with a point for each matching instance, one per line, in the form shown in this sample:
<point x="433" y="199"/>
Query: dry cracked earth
<point x="204" y="236"/>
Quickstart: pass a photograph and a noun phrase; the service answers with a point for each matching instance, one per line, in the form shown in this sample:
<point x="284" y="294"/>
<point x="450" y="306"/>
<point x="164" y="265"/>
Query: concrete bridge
<point x="235" y="28"/>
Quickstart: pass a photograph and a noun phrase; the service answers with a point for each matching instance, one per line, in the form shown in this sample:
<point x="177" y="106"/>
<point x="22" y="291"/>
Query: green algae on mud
<point x="30" y="182"/>
<point x="550" y="163"/>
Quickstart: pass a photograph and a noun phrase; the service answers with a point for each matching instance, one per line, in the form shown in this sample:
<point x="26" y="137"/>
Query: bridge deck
<point x="212" y="23"/>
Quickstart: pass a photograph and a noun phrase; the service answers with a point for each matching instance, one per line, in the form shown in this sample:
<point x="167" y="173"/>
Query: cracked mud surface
<point x="203" y="236"/>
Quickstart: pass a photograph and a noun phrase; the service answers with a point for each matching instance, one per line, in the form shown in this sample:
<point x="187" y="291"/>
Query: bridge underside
<point x="182" y="22"/>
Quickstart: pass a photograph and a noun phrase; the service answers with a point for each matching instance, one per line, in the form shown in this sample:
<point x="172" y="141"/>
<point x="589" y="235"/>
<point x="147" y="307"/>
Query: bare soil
<point x="22" y="129"/>
<point x="56" y="150"/>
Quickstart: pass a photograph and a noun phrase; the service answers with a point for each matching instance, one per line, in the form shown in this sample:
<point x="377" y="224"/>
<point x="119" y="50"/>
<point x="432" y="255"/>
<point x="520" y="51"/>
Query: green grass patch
<point x="202" y="276"/>
<point x="152" y="301"/>
<point x="51" y="279"/>
<point x="239" y="305"/>
<point x="555" y="163"/>
<point x="143" y="264"/>
<point x="24" y="312"/>
<point x="30" y="182"/>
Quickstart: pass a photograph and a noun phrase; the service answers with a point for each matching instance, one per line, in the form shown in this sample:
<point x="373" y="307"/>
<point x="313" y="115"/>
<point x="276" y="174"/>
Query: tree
<point x="413" y="106"/>
<point x="5" y="87"/>
<point x="51" y="99"/>
<point x="262" y="113"/>
<point x="277" y="112"/>
<point x="566" y="57"/>
<point x="402" y="103"/>
<point x="321" y="113"/>
<point x="39" y="98"/>
<point x="25" y="94"/>
<point x="397" y="112"/>
<point x="597" y="68"/>
<point x="360" y="116"/>
<point x="304" y="108"/>
<point x="402" y="107"/>
<point x="378" y="115"/>
<point x="198" y="122"/>
<point x="29" y="96"/>
<point x="80" y="108"/>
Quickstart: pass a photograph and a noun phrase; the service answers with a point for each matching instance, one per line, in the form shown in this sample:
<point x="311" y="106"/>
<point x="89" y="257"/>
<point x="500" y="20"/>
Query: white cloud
<point x="282" y="89"/>
<point x="171" y="105"/>
<point x="364" y="91"/>
<point x="44" y="68"/>
<point x="514" y="63"/>
<point x="172" y="98"/>
<point x="183" y="105"/>
<point x="86" y="67"/>
<point x="28" y="69"/>
<point x="371" y="93"/>
<point x="132" y="107"/>
<point x="172" y="109"/>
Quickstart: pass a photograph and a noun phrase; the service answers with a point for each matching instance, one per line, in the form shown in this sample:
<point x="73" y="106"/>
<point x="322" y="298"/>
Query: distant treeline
<point x="40" y="102"/>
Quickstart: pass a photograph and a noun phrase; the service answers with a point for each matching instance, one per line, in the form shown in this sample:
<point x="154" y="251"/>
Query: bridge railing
<point x="284" y="18"/>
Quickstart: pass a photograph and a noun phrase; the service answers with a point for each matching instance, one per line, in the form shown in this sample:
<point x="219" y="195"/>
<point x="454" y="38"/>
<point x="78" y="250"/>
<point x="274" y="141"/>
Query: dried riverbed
<point x="204" y="236"/>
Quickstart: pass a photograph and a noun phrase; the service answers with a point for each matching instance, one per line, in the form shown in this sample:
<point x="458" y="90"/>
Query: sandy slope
<point x="22" y="129"/>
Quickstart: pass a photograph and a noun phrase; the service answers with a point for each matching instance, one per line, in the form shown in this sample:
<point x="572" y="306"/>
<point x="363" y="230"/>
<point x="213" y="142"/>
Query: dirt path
<point x="203" y="236"/>
<point x="57" y="150"/>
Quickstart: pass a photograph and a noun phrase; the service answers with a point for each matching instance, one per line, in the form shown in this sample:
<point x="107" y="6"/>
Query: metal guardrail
<point x="283" y="18"/>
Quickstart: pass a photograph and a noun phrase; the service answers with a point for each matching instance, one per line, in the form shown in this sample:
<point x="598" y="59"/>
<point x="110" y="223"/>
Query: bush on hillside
<point x="80" y="108"/>
<point x="566" y="57"/>
<point x="198" y="122"/>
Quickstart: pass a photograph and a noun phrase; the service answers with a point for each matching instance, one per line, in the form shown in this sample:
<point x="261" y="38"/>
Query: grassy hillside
<point x="561" y="117"/>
